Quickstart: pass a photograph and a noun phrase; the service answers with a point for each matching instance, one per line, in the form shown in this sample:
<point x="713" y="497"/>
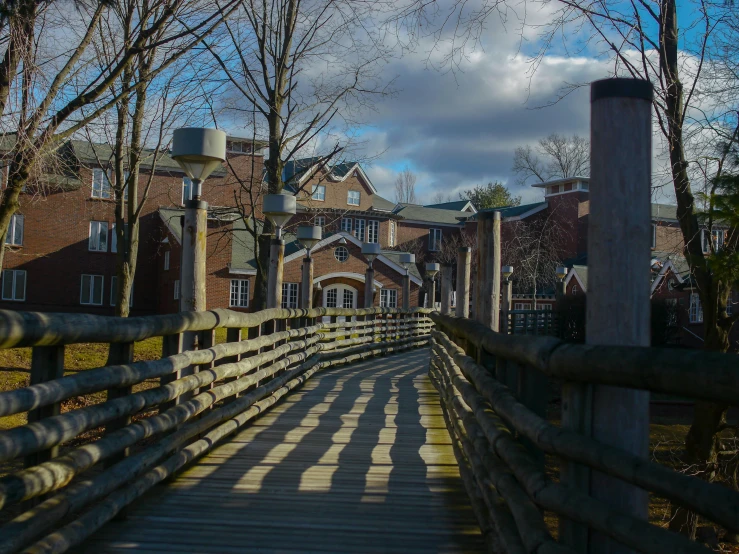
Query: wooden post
<point x="47" y="364"/>
<point x="618" y="307"/>
<point x="274" y="284"/>
<point x="406" y="291"/>
<point x="119" y="354"/>
<point x="464" y="263"/>
<point x="369" y="287"/>
<point x="488" y="269"/>
<point x="192" y="268"/>
<point x="446" y="289"/>
<point x="431" y="292"/>
<point x="306" y="301"/>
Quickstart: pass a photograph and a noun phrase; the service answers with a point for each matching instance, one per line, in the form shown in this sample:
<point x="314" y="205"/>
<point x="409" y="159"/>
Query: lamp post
<point x="278" y="208"/>
<point x="507" y="271"/>
<point x="370" y="250"/>
<point x="464" y="266"/>
<point x="198" y="152"/>
<point x="431" y="270"/>
<point x="406" y="260"/>
<point x="561" y="273"/>
<point x="308" y="236"/>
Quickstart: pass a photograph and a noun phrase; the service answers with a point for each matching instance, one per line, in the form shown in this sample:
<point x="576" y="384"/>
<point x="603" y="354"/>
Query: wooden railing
<point x="530" y="322"/>
<point x="494" y="390"/>
<point x="69" y="487"/>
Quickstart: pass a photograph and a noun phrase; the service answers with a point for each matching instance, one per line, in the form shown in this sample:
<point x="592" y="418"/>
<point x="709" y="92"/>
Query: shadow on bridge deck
<point x="358" y="460"/>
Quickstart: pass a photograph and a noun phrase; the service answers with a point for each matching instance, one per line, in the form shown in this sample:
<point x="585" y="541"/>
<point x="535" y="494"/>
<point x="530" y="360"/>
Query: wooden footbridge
<point x="328" y="430"/>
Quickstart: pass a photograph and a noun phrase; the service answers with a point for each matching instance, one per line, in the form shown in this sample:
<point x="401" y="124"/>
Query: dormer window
<point x="353" y="198"/>
<point x="238" y="146"/>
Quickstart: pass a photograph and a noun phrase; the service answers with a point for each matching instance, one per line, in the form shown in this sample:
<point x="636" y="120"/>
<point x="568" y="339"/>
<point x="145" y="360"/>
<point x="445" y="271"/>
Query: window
<point x="114" y="292"/>
<point x="126" y="178"/>
<point x="177" y="289"/>
<point x="114" y="237"/>
<point x="391" y="232"/>
<point x="359" y="226"/>
<point x="239" y="293"/>
<point x="543" y="307"/>
<point x="321" y="222"/>
<point x="654" y="235"/>
<point x="388" y="298"/>
<point x="331" y="296"/>
<point x="238" y="146"/>
<point x="14" y="285"/>
<point x="98" y="240"/>
<point x="348" y="298"/>
<point x="186" y="189"/>
<point x="166" y="261"/>
<point x="15" y="231"/>
<point x="352" y="198"/>
<point x="434" y="240"/>
<point x="696" y="310"/>
<point x="574" y="290"/>
<point x="373" y="231"/>
<point x="717" y="238"/>
<point x="522" y="306"/>
<point x="341" y="253"/>
<point x="289" y="295"/>
<point x="100" y="183"/>
<point x="554" y="189"/>
<point x="319" y="192"/>
<point x="91" y="290"/>
<point x="346" y="224"/>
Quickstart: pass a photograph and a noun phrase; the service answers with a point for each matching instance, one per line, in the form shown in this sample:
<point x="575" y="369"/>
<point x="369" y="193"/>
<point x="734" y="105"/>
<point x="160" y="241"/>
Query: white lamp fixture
<point x="432" y="269"/>
<point x="279" y="208"/>
<point x="198" y="151"/>
<point x="407" y="259"/>
<point x="370" y="250"/>
<point x="561" y="272"/>
<point x="309" y="236"/>
<point x="507" y="271"/>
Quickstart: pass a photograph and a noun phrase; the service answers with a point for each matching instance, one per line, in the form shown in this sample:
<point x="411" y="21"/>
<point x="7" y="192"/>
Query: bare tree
<point x="50" y="83"/>
<point x="302" y="68"/>
<point x="405" y="187"/>
<point x="554" y="157"/>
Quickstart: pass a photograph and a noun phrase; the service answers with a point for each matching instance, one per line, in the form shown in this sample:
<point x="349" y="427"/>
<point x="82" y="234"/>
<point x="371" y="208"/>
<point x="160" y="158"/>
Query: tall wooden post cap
<point x="621" y="88"/>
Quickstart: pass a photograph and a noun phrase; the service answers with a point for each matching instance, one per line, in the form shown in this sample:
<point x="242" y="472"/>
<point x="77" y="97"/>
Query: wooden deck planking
<point x="358" y="460"/>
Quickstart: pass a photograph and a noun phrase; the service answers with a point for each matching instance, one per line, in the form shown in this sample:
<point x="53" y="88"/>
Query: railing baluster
<point x="47" y="364"/>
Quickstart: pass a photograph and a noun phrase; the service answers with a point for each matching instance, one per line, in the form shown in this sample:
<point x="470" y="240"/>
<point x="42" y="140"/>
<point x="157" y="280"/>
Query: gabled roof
<point x="382" y="204"/>
<point x="414" y="212"/>
<point x="580" y="274"/>
<point x="294" y="171"/>
<point x="457" y="205"/>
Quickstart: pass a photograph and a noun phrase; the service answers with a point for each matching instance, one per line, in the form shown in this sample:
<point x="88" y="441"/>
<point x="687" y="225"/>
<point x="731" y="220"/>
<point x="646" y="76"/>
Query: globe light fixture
<point x="507" y="271"/>
<point x="279" y="208"/>
<point x="370" y="250"/>
<point x="198" y="152"/>
<point x="308" y="236"/>
<point x="561" y="272"/>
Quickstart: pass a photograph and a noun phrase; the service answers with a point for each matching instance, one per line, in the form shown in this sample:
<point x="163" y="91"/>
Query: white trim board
<point x="350" y="238"/>
<point x="346" y="275"/>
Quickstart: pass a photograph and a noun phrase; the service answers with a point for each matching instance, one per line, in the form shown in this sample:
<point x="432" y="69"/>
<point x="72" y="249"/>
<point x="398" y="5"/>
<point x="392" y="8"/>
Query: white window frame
<point x="176" y="289"/>
<point x="391" y="233"/>
<point x="100" y="183"/>
<point x="95" y="234"/>
<point x="318" y="197"/>
<point x="93" y="279"/>
<point x="15" y="236"/>
<point x="186" y="185"/>
<point x="350" y="196"/>
<point x="695" y="311"/>
<point x="321" y="222"/>
<point x="388" y="298"/>
<point x="290" y="295"/>
<point x="347" y="224"/>
<point x="575" y="290"/>
<point x="435" y="236"/>
<point x="543" y="307"/>
<point x="166" y="260"/>
<point x="360" y="229"/>
<point x="113" y="286"/>
<point x="14" y="274"/>
<point x="522" y="305"/>
<point x="242" y="288"/>
<point x="373" y="230"/>
<point x="342" y="249"/>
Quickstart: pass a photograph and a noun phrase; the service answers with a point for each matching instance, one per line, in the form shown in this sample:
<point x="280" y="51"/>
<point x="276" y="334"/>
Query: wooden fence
<point x="185" y="402"/>
<point x="494" y="390"/>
